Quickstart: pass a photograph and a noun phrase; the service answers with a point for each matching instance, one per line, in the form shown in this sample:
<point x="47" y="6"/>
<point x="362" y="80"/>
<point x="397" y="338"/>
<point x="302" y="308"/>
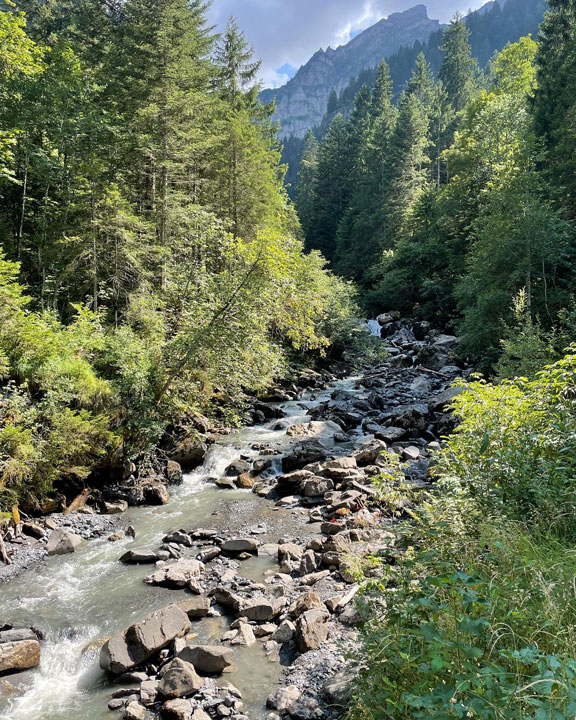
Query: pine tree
<point x="307" y="178"/>
<point x="459" y="70"/>
<point x="332" y="188"/>
<point x="555" y="99"/>
<point x="332" y="103"/>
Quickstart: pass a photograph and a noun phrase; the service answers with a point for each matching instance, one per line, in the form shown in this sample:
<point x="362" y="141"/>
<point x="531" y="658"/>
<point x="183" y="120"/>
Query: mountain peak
<point x="301" y="103"/>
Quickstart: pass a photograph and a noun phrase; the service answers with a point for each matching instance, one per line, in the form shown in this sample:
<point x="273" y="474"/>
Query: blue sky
<point x="285" y="33"/>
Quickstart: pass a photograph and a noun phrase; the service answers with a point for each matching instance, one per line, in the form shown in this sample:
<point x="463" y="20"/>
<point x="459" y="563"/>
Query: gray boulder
<point x="127" y="650"/>
<point x="180" y="680"/>
<point x="212" y="659"/>
<point x="311" y="630"/>
<point x="63" y="542"/>
<point x="177" y="575"/>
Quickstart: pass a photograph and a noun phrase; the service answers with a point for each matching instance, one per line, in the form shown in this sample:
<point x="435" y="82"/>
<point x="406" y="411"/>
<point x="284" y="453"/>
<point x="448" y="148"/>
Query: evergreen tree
<point x="307" y="178"/>
<point x="555" y="100"/>
<point x="332" y="103"/>
<point x="332" y="188"/>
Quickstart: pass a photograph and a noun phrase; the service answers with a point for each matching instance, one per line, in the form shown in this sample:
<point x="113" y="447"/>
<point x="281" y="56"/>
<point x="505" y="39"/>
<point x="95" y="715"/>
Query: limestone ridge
<point x="301" y="103"/>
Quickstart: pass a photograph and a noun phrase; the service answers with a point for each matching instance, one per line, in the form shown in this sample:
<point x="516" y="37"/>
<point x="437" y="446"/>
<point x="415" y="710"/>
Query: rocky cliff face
<point x="302" y="102"/>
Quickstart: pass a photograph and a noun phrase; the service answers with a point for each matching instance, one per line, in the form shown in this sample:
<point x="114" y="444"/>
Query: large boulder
<point x="304" y="455"/>
<point x="177" y="575"/>
<point x="212" y="659"/>
<point x="62" y="542"/>
<point x="180" y="680"/>
<point x="261" y="609"/>
<point x="311" y="630"/>
<point x="195" y="607"/>
<point x="189" y="452"/>
<point x="240" y="545"/>
<point x="127" y="650"/>
<point x="139" y="557"/>
<point x="19" y="650"/>
<point x="316" y="428"/>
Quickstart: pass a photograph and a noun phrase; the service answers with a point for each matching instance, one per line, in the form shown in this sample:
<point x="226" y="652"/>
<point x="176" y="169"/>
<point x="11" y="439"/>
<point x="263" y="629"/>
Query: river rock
<point x="114" y="507"/>
<point x="244" y="636"/>
<point x="177" y="575"/>
<point x="212" y="659"/>
<point x="156" y="494"/>
<point x="284" y="633"/>
<point x="141" y="641"/>
<point x="307" y="601"/>
<point x="178" y="710"/>
<point x="139" y="557"/>
<point x="245" y="481"/>
<point x="195" y="607"/>
<point x="189" y="453"/>
<point x="148" y="692"/>
<point x="180" y="680"/>
<point x="304" y="455"/>
<point x="240" y="545"/>
<point x="135" y="711"/>
<point x="289" y="551"/>
<point x="315" y="428"/>
<point x="309" y="563"/>
<point x="317" y="487"/>
<point x="261" y="609"/>
<point x="19" y="650"/>
<point x="368" y="453"/>
<point x="62" y="542"/>
<point x="311" y="630"/>
<point x="173" y="472"/>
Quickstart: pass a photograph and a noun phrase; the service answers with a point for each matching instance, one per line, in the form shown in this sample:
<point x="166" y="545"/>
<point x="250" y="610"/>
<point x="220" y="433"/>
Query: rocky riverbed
<point x="236" y="596"/>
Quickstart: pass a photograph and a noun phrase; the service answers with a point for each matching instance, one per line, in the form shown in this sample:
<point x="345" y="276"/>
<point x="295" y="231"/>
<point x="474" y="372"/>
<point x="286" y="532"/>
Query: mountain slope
<point x="302" y="102"/>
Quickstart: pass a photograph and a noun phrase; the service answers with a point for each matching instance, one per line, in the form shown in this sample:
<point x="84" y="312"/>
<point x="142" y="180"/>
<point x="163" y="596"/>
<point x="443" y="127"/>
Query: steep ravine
<point x="310" y="516"/>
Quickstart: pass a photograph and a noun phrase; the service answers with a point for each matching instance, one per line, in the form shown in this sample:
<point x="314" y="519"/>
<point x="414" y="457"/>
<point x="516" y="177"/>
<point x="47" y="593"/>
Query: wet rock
<point x="156" y="494"/>
<point x="141" y="641"/>
<point x="195" y="607"/>
<point x="311" y="630"/>
<point x="245" y="481"/>
<point x="212" y="659"/>
<point x="139" y="557"/>
<point x="62" y="542"/>
<point x="177" y="575"/>
<point x="237" y="468"/>
<point x="173" y="472"/>
<point x="240" y="545"/>
<point x="180" y="680"/>
<point x="19" y="650"/>
<point x="179" y="538"/>
<point x="226" y="483"/>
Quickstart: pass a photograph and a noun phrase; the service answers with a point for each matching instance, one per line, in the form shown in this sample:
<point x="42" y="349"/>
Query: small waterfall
<point x="374" y="327"/>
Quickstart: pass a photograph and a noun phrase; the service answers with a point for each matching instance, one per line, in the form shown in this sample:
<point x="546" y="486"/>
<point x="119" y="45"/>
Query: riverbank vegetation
<point x="150" y="264"/>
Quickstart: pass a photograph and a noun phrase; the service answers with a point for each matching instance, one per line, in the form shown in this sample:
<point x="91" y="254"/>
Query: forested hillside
<point x="150" y="263"/>
<point x="455" y="204"/>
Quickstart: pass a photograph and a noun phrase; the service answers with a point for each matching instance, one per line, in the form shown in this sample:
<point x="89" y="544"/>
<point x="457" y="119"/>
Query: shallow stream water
<point x="77" y="600"/>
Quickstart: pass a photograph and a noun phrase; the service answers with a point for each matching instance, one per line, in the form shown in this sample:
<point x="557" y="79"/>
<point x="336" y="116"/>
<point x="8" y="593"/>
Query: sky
<point x="286" y="33"/>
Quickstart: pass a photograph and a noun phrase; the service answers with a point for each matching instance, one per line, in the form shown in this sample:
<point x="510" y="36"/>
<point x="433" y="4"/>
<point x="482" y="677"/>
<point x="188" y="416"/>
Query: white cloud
<point x="290" y="31"/>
